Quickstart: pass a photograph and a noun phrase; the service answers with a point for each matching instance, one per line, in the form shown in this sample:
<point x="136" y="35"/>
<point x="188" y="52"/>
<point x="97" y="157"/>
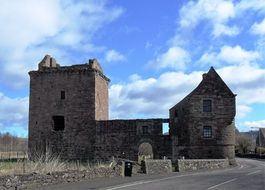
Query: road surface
<point x="248" y="175"/>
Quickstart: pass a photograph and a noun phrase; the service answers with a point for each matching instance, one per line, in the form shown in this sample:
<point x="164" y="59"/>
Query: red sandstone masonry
<point x="89" y="135"/>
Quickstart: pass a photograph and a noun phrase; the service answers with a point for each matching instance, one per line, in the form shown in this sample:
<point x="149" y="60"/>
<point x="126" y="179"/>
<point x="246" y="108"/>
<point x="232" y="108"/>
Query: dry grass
<point x="43" y="165"/>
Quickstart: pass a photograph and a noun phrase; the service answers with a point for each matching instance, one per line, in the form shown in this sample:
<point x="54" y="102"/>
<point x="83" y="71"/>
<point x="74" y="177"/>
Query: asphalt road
<point x="248" y="175"/>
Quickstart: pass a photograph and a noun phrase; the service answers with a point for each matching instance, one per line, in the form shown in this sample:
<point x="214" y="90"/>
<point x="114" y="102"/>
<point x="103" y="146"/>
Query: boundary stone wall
<point x="158" y="166"/>
<point x="196" y="164"/>
<point x="34" y="180"/>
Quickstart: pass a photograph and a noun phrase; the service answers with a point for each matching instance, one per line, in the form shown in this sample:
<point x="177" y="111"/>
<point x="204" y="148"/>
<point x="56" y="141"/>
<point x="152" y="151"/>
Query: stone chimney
<point x="94" y="64"/>
<point x="48" y="62"/>
<point x="204" y="76"/>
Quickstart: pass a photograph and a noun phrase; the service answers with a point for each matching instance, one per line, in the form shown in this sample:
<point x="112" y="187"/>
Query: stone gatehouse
<point x="68" y="116"/>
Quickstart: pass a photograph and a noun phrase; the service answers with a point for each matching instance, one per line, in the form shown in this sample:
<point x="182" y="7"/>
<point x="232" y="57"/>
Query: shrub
<point x="260" y="150"/>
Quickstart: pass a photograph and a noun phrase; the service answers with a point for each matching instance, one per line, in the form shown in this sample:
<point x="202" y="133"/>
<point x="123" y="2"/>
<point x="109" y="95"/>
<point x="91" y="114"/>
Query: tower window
<point x="207" y="105"/>
<point x="58" y="123"/>
<point x="207" y="132"/>
<point x="62" y="95"/>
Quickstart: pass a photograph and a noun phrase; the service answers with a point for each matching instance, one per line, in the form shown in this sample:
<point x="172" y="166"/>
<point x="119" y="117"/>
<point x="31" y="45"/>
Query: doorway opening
<point x="145" y="151"/>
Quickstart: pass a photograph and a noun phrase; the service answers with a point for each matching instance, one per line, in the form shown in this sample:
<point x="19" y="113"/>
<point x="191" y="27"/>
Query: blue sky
<point x="154" y="52"/>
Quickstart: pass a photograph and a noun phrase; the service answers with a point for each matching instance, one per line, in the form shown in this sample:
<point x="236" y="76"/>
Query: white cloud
<point x="218" y="12"/>
<point x="135" y="77"/>
<point x="230" y="55"/>
<point x="258" y="28"/>
<point x="25" y="22"/>
<point x="242" y="111"/>
<point x="255" y="124"/>
<point x="175" y="57"/>
<point x="151" y="97"/>
<point x="30" y="29"/>
<point x="221" y="29"/>
<point x="114" y="56"/>
<point x="13" y="111"/>
<point x="254" y="5"/>
<point x="248" y="82"/>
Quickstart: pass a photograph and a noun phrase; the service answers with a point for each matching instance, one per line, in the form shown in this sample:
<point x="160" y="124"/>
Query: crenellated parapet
<point x="48" y="65"/>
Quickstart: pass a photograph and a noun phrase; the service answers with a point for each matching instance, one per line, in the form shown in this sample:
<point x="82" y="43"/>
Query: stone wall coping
<point x="202" y="160"/>
<point x="158" y="160"/>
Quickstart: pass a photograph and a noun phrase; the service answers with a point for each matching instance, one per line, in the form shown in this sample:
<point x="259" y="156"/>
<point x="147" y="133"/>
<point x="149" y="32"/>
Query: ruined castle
<point x="68" y="116"/>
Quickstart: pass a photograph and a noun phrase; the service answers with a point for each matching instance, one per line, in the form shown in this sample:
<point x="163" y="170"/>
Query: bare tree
<point x="6" y="140"/>
<point x="9" y="143"/>
<point x="243" y="144"/>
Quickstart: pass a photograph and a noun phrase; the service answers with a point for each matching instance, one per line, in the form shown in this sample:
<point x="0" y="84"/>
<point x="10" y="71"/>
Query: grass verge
<point x="45" y="164"/>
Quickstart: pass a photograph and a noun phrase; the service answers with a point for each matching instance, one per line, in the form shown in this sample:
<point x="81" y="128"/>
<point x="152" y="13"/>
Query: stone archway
<point x="145" y="151"/>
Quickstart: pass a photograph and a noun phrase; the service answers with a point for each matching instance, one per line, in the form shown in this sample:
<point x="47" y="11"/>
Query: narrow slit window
<point x="58" y="123"/>
<point x="207" y="132"/>
<point x="62" y="95"/>
<point x="207" y="105"/>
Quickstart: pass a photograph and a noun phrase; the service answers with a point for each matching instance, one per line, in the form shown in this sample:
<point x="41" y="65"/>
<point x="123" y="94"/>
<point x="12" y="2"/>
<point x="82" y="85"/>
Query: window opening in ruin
<point x="62" y="95"/>
<point x="207" y="105"/>
<point x="165" y="129"/>
<point x="145" y="130"/>
<point x="58" y="123"/>
<point x="207" y="132"/>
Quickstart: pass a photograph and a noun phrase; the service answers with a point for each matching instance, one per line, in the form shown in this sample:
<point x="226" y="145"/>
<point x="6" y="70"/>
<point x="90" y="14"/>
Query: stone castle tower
<point x="64" y="104"/>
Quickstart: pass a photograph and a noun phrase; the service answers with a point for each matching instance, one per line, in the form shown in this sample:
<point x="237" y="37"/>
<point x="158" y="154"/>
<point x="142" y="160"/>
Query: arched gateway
<point x="145" y="151"/>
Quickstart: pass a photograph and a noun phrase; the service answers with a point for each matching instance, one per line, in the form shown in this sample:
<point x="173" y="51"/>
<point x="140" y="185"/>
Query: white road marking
<point x="129" y="185"/>
<point x="222" y="183"/>
<point x="145" y="182"/>
<point x="254" y="172"/>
